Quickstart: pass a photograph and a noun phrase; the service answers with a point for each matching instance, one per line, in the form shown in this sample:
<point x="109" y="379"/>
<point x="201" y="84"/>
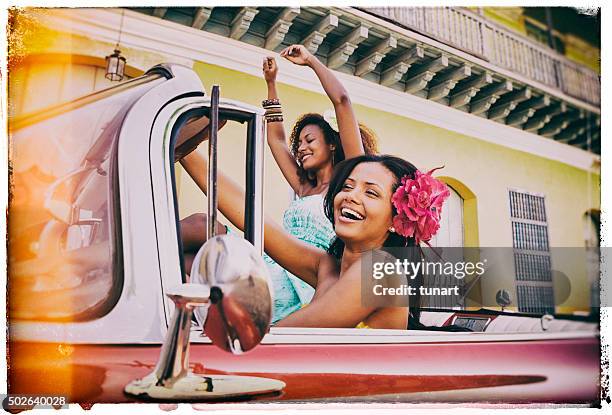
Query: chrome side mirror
<point x="171" y="380"/>
<point x="240" y="309"/>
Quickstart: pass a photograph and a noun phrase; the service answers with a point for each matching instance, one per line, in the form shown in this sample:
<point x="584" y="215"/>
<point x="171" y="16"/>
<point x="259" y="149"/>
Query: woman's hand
<point x="270" y="69"/>
<point x="298" y="54"/>
<point x="191" y="135"/>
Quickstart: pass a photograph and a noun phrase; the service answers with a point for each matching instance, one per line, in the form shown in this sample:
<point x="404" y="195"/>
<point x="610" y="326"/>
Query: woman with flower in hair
<point x="374" y="202"/>
<point x="307" y="164"/>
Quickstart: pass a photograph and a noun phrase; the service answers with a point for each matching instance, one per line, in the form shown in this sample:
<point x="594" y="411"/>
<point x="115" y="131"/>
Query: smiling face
<point x="362" y="209"/>
<point x="313" y="151"/>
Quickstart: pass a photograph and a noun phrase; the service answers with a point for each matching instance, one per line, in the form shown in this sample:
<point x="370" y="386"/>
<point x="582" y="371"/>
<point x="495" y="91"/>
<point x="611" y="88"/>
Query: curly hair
<point x="332" y="137"/>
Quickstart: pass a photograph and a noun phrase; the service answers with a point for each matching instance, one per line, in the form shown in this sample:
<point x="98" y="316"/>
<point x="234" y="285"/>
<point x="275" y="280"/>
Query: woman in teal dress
<point x="304" y="219"/>
<point x="307" y="165"/>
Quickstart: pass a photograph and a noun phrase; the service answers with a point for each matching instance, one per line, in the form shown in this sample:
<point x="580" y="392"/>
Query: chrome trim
<point x="212" y="163"/>
<point x="173" y="362"/>
<point x="163" y="198"/>
<point x="162" y="69"/>
<point x="259" y="127"/>
<point x="172" y="379"/>
<point x="26" y="120"/>
<point x="307" y="335"/>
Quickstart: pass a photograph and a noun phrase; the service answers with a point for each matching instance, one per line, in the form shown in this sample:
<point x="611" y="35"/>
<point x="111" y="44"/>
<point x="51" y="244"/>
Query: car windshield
<point x="64" y="228"/>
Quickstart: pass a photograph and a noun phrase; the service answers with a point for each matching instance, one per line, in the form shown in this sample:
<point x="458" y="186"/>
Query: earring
<point x="392" y="229"/>
<point x="333" y="150"/>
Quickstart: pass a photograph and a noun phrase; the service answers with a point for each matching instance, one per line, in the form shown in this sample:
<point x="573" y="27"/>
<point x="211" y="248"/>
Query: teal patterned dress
<point x="305" y="219"/>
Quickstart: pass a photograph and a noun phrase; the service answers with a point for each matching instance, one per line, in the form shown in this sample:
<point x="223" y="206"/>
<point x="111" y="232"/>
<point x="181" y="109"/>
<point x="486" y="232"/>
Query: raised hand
<point x="270" y="69"/>
<point x="298" y="54"/>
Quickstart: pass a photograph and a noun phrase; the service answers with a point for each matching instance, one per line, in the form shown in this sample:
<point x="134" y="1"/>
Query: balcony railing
<point x="478" y="36"/>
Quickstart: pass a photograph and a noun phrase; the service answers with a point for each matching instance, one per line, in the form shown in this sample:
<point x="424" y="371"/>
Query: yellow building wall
<point x="29" y="38"/>
<point x="511" y="17"/>
<point x="582" y="52"/>
<point x="486" y="169"/>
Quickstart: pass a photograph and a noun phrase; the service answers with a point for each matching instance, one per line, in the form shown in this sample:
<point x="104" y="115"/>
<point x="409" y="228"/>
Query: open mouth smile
<point x="305" y="157"/>
<point x="350" y="215"/>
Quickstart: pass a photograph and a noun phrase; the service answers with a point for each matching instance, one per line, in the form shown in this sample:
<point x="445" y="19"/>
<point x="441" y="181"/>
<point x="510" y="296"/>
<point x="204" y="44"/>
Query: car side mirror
<point x="240" y="308"/>
<point x="171" y="380"/>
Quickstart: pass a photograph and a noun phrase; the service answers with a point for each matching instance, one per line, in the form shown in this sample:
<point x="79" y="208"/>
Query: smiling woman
<point x="359" y="203"/>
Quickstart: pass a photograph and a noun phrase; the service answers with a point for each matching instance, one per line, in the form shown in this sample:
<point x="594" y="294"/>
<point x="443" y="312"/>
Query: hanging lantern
<point x="115" y="63"/>
<point x="115" y="66"/>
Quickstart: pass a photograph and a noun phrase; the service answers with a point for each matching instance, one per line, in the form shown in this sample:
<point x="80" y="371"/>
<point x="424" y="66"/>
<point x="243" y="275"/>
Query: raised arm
<point x="276" y="131"/>
<point x="347" y="122"/>
<point x="299" y="258"/>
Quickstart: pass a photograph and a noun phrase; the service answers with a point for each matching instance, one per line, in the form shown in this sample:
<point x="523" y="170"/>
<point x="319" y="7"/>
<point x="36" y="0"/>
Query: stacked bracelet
<point x="274" y="111"/>
<point x="276" y="118"/>
<point x="267" y="102"/>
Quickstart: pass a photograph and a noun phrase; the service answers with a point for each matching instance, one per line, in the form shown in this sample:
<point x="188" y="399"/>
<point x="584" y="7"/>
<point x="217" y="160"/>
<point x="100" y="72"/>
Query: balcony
<point x="445" y="54"/>
<point x="480" y="37"/>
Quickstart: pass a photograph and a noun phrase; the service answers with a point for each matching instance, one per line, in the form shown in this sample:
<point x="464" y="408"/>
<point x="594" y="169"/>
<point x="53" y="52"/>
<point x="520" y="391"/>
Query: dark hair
<point x="368" y="138"/>
<point x="399" y="168"/>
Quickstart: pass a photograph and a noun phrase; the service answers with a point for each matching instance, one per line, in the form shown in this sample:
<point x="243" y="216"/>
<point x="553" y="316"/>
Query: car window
<point x="64" y="225"/>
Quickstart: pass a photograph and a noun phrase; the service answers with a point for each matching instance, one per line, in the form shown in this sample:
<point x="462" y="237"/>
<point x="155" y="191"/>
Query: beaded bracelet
<point x="276" y="118"/>
<point x="269" y="102"/>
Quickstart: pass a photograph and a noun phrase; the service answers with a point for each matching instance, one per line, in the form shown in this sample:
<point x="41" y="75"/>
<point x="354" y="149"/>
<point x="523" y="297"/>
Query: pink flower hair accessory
<point x="419" y="203"/>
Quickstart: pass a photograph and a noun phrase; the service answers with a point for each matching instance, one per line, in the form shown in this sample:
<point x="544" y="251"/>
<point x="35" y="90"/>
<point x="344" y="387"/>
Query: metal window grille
<point x="530" y="267"/>
<point x="532" y="262"/>
<point x="538" y="300"/>
<point x="527" y="206"/>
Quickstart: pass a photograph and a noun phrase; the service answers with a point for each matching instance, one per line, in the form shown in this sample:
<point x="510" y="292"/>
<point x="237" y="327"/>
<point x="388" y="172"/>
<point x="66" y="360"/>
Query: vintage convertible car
<point x="94" y="249"/>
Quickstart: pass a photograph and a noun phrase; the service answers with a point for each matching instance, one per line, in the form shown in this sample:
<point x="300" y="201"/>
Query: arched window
<point x="449" y="235"/>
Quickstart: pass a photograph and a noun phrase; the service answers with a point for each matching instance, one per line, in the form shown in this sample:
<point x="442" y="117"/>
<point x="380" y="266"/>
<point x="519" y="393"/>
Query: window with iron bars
<point x="532" y="264"/>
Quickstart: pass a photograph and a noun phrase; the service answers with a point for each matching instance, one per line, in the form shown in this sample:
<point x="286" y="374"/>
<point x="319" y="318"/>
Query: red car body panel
<point x="452" y="372"/>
